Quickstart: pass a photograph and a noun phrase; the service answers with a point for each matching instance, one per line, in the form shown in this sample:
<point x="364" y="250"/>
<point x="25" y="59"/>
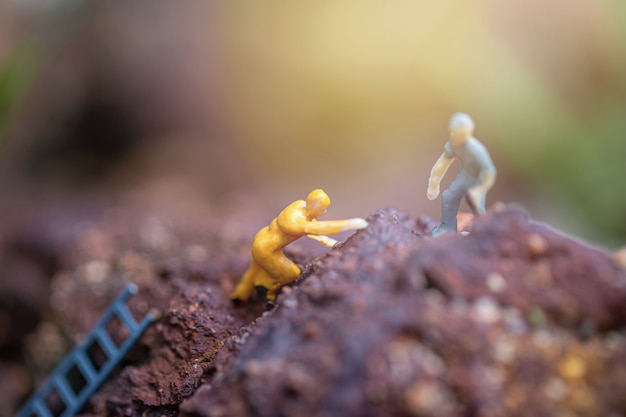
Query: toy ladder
<point x="83" y="370"/>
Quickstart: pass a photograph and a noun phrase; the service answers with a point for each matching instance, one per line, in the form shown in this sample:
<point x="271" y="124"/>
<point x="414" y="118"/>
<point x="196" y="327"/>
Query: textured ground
<point x="513" y="319"/>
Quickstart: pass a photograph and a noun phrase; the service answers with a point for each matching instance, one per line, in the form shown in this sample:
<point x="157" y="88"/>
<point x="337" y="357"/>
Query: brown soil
<point x="513" y="319"/>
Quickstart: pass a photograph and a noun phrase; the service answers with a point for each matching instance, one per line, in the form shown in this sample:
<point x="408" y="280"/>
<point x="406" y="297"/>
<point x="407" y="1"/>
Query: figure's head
<point x="461" y="127"/>
<point x="317" y="203"/>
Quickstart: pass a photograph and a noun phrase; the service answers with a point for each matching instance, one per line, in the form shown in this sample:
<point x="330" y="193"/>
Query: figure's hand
<point x="325" y="240"/>
<point x="355" y="224"/>
<point x="433" y="191"/>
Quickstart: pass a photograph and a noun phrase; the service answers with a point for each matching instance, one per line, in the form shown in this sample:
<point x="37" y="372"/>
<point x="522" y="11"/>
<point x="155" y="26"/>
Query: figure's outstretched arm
<point x="436" y="175"/>
<point x="325" y="240"/>
<point x="329" y="227"/>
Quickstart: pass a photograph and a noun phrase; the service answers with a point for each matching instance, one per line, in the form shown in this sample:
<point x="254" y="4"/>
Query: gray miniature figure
<point x="476" y="175"/>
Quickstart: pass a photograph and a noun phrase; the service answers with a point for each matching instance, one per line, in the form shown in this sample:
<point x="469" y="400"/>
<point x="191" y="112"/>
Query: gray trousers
<point x="451" y="200"/>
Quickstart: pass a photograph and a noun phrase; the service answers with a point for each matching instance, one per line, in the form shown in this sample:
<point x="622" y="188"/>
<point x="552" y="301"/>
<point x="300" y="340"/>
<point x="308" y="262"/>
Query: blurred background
<point x="257" y="103"/>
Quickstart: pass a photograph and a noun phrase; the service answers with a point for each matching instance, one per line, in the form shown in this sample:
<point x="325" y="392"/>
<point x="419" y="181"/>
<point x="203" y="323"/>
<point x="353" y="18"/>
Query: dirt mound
<point x="514" y="319"/>
<point x="511" y="319"/>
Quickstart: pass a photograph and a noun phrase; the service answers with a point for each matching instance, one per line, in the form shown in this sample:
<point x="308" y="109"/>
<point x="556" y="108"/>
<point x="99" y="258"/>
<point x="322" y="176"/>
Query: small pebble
<point x="290" y="303"/>
<point x="572" y="368"/>
<point x="556" y="389"/>
<point x="496" y="282"/>
<point x="536" y="244"/>
<point x="486" y="310"/>
<point x="504" y="351"/>
<point x="96" y="271"/>
<point x="426" y="398"/>
<point x="619" y="256"/>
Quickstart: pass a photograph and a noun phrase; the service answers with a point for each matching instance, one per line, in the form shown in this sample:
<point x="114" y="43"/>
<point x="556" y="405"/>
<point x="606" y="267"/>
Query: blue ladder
<point x="84" y="370"/>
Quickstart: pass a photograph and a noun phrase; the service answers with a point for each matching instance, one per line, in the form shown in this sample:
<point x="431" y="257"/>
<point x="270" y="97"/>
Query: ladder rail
<point x="126" y="317"/>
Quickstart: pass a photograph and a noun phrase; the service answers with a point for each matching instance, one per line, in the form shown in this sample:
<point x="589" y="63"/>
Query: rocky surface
<point x="511" y="319"/>
<point x="514" y="319"/>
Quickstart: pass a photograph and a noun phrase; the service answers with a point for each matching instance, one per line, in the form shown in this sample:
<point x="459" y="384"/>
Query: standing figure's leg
<point x="450" y="202"/>
<point x="479" y="207"/>
<point x="477" y="194"/>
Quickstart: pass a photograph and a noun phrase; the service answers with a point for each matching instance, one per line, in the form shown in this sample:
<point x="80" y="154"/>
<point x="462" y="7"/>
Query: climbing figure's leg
<point x="278" y="270"/>
<point x="245" y="288"/>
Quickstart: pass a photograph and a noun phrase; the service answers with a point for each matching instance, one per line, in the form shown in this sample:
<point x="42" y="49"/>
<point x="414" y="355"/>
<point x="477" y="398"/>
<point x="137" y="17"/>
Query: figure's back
<point x="475" y="157"/>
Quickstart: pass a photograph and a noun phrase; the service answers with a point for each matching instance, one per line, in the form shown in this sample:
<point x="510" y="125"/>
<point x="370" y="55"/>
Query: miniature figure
<point x="476" y="175"/>
<point x="270" y="268"/>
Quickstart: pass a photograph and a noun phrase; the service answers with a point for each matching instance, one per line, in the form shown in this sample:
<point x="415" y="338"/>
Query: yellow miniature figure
<point x="270" y="267"/>
<point x="476" y="175"/>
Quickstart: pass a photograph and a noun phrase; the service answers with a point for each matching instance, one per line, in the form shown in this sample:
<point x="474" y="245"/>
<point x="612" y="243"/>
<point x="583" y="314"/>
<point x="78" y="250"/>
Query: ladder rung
<point x="64" y="390"/>
<point x="85" y="366"/>
<point x="103" y="338"/>
<point x="125" y="316"/>
<point x="40" y="408"/>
